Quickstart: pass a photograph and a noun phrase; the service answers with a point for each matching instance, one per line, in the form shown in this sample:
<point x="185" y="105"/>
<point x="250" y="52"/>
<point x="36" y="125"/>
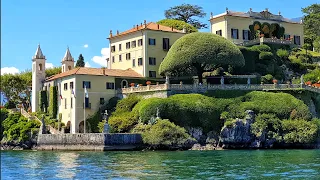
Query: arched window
<point x="40" y="67"/>
<point x="124" y="83"/>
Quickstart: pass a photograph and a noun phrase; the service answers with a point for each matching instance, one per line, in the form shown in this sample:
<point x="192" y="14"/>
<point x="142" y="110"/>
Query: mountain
<point x="298" y="19"/>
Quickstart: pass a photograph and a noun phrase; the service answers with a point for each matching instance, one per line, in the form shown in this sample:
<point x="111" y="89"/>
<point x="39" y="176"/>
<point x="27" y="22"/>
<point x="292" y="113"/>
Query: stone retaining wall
<point x="89" y="141"/>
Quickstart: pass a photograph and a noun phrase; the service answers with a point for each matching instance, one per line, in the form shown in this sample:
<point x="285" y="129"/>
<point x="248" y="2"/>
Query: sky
<point x="84" y="25"/>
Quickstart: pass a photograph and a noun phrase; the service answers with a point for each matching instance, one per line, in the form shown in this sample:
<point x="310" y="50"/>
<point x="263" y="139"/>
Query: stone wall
<point x="89" y="141"/>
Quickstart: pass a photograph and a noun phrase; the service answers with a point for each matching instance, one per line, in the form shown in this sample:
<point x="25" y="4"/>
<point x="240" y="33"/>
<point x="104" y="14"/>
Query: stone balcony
<point x="266" y="40"/>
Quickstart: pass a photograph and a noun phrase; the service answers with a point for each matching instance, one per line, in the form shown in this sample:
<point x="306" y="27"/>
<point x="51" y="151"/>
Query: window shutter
<point x="237" y="34"/>
<point x="82" y="84"/>
<point x="149" y="41"/>
<point x="243" y="34"/>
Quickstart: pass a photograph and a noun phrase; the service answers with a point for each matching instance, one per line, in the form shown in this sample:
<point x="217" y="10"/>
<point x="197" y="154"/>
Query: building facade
<point x="142" y="48"/>
<point x="242" y="27"/>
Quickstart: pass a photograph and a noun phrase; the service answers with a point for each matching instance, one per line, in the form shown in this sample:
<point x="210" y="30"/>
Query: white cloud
<point x="9" y="70"/>
<point x="87" y="64"/>
<point x="49" y="65"/>
<point x="102" y="60"/>
<point x="86" y="46"/>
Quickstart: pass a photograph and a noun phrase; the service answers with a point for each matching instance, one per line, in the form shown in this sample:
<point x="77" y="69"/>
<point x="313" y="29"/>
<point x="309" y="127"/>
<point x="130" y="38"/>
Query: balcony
<point x="266" y="40"/>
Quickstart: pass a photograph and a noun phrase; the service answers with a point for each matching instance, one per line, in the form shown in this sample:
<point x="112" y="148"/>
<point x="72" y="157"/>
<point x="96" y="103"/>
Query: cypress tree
<point x="80" y="61"/>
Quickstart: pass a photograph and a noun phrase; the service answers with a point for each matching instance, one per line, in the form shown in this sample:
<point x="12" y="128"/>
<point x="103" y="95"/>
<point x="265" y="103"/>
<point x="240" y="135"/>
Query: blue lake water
<point x="229" y="164"/>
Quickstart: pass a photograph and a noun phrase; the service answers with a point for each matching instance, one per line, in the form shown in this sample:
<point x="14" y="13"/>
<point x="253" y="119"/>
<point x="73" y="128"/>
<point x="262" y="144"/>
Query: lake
<point x="228" y="164"/>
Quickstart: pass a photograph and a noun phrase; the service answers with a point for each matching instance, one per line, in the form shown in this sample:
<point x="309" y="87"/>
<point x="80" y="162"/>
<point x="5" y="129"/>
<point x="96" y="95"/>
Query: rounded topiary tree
<point x="200" y="52"/>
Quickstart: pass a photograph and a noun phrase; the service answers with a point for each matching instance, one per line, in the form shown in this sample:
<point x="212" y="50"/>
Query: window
<point x="297" y="40"/>
<point x="166" y="45"/>
<point x="113" y="48"/>
<point x="101" y="101"/>
<point x="65" y="86"/>
<point x="140" y="42"/>
<point x="152" y="61"/>
<point x="109" y="85"/>
<point x="71" y="103"/>
<point x="112" y="59"/>
<point x="128" y="45"/>
<point x="152" y="74"/>
<point x="69" y="67"/>
<point x="140" y="62"/>
<point x="71" y="85"/>
<point x="152" y="41"/>
<point x="128" y="56"/>
<point x="120" y="58"/>
<point x="219" y="32"/>
<point x="120" y="48"/>
<point x="65" y="103"/>
<point x="86" y="103"/>
<point x="245" y="34"/>
<point x="133" y="63"/>
<point x="287" y="36"/>
<point x="133" y="44"/>
<point x="234" y="33"/>
<point x="87" y="84"/>
<point x="40" y="67"/>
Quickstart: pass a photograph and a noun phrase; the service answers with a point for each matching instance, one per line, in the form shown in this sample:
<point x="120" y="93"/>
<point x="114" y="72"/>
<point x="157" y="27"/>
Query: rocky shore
<point x="18" y="145"/>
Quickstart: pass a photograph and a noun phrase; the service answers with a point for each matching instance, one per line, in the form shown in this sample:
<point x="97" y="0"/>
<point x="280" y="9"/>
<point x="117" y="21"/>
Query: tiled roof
<point x="255" y="15"/>
<point x="96" y="72"/>
<point x="148" y="26"/>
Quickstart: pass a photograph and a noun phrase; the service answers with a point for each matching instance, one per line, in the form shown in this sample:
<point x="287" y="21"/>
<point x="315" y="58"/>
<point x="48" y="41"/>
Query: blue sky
<point x="56" y="24"/>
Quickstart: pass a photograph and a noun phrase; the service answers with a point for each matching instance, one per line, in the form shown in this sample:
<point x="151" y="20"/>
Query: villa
<point x="250" y="28"/>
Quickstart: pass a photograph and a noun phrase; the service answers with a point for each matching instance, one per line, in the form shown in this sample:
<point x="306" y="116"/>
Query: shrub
<point x="261" y="48"/>
<point x="122" y="122"/>
<point x="299" y="131"/>
<point x="283" y="54"/>
<point x="126" y="104"/>
<point x="267" y="79"/>
<point x="10" y="104"/>
<point x="265" y="56"/>
<point x="267" y="123"/>
<point x="250" y="56"/>
<point x="313" y="76"/>
<point x="53" y="102"/>
<point x="167" y="134"/>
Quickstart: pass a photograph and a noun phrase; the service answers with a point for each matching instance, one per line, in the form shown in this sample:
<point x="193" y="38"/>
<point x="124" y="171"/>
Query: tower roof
<point x="67" y="56"/>
<point x="38" y="54"/>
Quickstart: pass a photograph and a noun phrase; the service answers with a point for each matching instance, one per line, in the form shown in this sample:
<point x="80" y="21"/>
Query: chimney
<point x="117" y="32"/>
<point x="158" y="26"/>
<point x="110" y="35"/>
<point x="145" y="24"/>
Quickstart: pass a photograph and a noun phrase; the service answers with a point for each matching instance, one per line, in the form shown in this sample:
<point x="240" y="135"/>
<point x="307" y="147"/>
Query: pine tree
<point x="80" y="61"/>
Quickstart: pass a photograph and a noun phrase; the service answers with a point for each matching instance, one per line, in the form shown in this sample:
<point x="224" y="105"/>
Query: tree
<point x="80" y="61"/>
<point x="316" y="44"/>
<point x="178" y="24"/>
<point x="53" y="71"/>
<point x="186" y="12"/>
<point x="311" y="22"/>
<point x="200" y="52"/>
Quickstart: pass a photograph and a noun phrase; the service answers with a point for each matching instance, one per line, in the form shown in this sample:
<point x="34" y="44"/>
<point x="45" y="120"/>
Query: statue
<point x="158" y="114"/>
<point x="222" y="80"/>
<point x="42" y="129"/>
<point x="106" y="128"/>
<point x="301" y="79"/>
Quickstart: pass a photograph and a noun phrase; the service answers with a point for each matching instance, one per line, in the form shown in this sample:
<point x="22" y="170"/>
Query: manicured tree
<point x="200" y="52"/>
<point x="80" y="61"/>
<point x="178" y="24"/>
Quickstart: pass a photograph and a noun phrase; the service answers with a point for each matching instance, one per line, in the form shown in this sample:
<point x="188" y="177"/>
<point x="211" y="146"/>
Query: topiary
<point x="265" y="55"/>
<point x="261" y="48"/>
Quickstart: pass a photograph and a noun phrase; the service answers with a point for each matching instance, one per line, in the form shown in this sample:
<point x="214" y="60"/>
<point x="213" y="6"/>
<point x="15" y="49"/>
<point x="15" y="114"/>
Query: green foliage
<point x="316" y="44"/>
<point x="80" y="62"/>
<point x="18" y="128"/>
<point x="43" y="101"/>
<point x="178" y="24"/>
<point x="267" y="79"/>
<point x="101" y="125"/>
<point x="93" y="121"/>
<point x="313" y="76"/>
<point x="299" y="131"/>
<point x="186" y="13"/>
<point x="311" y="22"/>
<point x="250" y="56"/>
<point x="3" y="115"/>
<point x="265" y="56"/>
<point x="53" y="102"/>
<point x="165" y="133"/>
<point x="10" y="105"/>
<point x="268" y="124"/>
<point x="199" y="52"/>
<point x="127" y="104"/>
<point x="261" y="48"/>
<point x="283" y="54"/>
<point x="123" y="122"/>
<point x="53" y="71"/>
<point x="141" y="128"/>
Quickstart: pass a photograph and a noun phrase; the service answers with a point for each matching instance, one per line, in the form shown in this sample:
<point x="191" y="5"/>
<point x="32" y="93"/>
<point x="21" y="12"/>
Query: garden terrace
<point x="267" y="40"/>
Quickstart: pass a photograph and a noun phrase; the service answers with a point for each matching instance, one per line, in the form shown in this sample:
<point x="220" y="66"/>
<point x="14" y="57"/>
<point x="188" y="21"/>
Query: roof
<point x="38" y="54"/>
<point x="68" y="56"/>
<point x="265" y="15"/>
<point x="96" y="72"/>
<point x="148" y="26"/>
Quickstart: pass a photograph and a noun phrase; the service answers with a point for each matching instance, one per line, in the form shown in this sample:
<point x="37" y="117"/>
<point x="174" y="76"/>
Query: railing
<point x="199" y="88"/>
<point x="313" y="89"/>
<point x="266" y="40"/>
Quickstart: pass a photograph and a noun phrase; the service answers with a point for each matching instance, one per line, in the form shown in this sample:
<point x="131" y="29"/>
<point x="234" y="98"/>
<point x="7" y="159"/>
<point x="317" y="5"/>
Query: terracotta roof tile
<point x="149" y="26"/>
<point x="96" y="72"/>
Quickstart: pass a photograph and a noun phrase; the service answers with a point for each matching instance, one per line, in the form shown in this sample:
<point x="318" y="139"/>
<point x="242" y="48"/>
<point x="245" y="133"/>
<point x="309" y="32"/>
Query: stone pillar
<point x="249" y="81"/>
<point x="222" y="80"/>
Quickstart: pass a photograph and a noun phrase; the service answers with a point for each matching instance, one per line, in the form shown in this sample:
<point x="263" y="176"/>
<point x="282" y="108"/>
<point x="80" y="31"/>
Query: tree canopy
<point x="311" y="22"/>
<point x="186" y="13"/>
<point x="200" y="52"/>
<point x="178" y="24"/>
<point x="80" y="61"/>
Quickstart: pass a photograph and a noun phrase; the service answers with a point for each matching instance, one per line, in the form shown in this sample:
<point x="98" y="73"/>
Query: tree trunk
<point x="200" y="76"/>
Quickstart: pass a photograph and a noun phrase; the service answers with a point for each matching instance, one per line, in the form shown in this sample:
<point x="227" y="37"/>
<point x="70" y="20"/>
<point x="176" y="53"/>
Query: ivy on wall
<point x="268" y="30"/>
<point x="53" y="102"/>
<point x="43" y="101"/>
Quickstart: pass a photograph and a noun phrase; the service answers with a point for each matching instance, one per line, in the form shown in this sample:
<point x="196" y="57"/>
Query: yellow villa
<point x="249" y="28"/>
<point x="142" y="48"/>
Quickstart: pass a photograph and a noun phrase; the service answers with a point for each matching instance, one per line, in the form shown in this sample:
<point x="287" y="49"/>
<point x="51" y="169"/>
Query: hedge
<point x="261" y="48"/>
<point x="43" y="101"/>
<point x="250" y="57"/>
<point x="53" y="102"/>
<point x="265" y="55"/>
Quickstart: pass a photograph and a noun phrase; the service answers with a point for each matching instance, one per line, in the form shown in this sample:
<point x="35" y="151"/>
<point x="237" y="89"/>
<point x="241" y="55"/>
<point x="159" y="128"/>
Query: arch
<point x="69" y="67"/>
<point x="40" y="67"/>
<point x="124" y="83"/>
<point x="68" y="127"/>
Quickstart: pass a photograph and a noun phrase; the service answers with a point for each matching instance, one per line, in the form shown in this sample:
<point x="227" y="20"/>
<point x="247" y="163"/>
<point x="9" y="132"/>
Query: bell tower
<point x="67" y="62"/>
<point x="38" y="77"/>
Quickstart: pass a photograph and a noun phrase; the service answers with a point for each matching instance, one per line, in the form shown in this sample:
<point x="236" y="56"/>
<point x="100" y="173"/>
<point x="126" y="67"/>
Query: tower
<point x="67" y="62"/>
<point x="38" y="77"/>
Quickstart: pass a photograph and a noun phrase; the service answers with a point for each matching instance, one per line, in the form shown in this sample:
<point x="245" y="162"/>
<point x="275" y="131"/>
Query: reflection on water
<point x="241" y="164"/>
